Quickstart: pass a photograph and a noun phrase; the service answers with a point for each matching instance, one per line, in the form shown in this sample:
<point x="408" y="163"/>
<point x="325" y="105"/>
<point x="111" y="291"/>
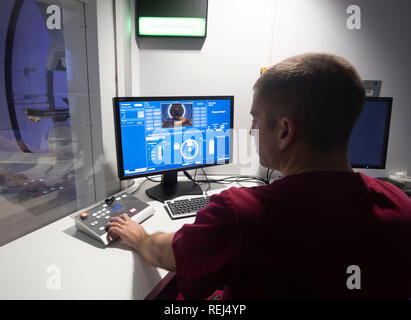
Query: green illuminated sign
<point x="172" y="27"/>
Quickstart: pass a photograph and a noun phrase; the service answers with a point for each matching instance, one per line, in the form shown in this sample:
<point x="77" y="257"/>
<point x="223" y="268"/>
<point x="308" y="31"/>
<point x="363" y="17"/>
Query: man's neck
<point x="334" y="161"/>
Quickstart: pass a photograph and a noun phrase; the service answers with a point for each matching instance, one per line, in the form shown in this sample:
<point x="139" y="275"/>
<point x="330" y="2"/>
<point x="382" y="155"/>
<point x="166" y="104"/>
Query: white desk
<point x="88" y="270"/>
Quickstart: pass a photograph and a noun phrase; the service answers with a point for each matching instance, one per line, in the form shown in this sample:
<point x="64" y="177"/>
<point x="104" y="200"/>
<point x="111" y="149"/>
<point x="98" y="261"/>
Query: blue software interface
<point x="368" y="139"/>
<point x="166" y="135"/>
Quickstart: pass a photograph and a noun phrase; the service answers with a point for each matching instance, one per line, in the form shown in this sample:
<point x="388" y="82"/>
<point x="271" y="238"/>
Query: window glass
<point x="43" y="162"/>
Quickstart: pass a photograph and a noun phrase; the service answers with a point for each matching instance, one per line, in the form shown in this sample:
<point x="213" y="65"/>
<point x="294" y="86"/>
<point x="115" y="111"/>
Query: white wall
<point x="380" y="50"/>
<point x="244" y="35"/>
<point x="236" y="47"/>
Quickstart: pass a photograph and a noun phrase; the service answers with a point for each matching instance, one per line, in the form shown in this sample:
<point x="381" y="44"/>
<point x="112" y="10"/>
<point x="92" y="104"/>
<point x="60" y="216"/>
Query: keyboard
<point x="184" y="208"/>
<point x="93" y="221"/>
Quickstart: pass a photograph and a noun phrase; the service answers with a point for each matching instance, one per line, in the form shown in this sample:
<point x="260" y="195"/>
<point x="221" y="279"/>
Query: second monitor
<point x="164" y="135"/>
<point x="369" y="138"/>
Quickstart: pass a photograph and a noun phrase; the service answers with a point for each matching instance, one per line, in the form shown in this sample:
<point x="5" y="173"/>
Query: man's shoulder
<point x="234" y="194"/>
<point x="388" y="190"/>
<point x="279" y="188"/>
<point x="252" y="199"/>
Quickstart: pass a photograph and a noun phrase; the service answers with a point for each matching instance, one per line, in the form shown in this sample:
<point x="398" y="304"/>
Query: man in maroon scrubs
<point x="322" y="231"/>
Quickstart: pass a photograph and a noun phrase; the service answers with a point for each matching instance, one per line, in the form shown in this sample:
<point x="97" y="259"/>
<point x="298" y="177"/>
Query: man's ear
<point x="286" y="133"/>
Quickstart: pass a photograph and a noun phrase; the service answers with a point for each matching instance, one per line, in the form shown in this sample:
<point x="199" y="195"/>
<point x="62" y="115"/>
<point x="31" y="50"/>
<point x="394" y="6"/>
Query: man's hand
<point x="128" y="230"/>
<point x="11" y="180"/>
<point x="155" y="249"/>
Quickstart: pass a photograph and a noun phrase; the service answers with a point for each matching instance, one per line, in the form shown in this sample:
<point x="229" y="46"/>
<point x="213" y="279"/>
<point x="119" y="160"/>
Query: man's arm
<point x="12" y="179"/>
<point x="154" y="249"/>
<point x="2" y="176"/>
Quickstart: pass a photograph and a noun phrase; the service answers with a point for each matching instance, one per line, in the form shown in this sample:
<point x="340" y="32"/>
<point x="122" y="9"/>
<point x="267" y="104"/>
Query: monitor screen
<point x="160" y="134"/>
<point x="369" y="139"/>
<point x="177" y="18"/>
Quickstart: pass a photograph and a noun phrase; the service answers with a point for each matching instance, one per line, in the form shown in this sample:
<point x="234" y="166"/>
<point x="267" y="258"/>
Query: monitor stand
<point x="170" y="188"/>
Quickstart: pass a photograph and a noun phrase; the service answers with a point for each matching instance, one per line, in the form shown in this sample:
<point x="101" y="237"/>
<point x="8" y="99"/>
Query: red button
<point x="84" y="215"/>
<point x="132" y="210"/>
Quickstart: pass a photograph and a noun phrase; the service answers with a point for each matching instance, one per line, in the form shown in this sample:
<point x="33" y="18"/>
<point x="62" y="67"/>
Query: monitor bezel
<point x="119" y="145"/>
<point x="138" y="35"/>
<point x="386" y="134"/>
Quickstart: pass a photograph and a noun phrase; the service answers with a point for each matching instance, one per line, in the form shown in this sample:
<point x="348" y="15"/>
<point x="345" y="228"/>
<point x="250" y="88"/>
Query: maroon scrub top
<point x="300" y="237"/>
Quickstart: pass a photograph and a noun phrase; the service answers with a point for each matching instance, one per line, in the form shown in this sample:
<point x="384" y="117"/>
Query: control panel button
<point x="83" y="215"/>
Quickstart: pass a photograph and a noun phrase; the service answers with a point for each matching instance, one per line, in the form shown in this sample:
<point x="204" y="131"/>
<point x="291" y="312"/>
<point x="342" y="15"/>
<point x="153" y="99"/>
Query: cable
<point x="269" y="178"/>
<point x="234" y="179"/>
<point x="225" y="181"/>
<point x="140" y="186"/>
<point x="189" y="177"/>
<point x="251" y="178"/>
<point x="149" y="179"/>
<point x="209" y="185"/>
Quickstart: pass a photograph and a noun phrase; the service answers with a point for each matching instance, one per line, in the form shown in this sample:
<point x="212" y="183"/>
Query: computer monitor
<point x="164" y="135"/>
<point x="369" y="139"/>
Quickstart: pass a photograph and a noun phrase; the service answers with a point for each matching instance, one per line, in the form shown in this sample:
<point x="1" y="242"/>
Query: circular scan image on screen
<point x="189" y="149"/>
<point x="177" y="111"/>
<point x="177" y="114"/>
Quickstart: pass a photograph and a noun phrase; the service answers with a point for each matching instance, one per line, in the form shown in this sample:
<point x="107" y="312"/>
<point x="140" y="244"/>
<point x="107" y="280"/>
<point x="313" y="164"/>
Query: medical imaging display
<point x="165" y="135"/>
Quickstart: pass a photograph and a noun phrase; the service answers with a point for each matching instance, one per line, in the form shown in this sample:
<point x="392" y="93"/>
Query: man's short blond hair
<point x="323" y="92"/>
